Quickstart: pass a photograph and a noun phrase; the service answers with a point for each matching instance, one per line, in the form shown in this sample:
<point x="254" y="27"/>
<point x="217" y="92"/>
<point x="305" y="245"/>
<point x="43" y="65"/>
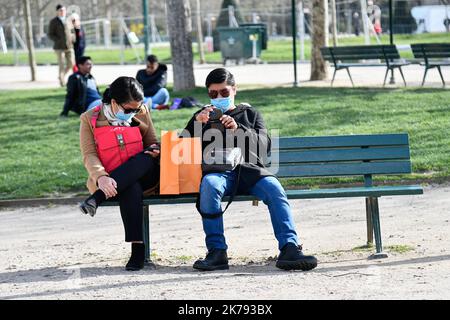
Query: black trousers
<point x="133" y="177"/>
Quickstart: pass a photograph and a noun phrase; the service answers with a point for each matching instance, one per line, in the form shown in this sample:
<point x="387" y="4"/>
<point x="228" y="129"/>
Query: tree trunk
<point x="319" y="39"/>
<point x="180" y="28"/>
<point x="30" y="44"/>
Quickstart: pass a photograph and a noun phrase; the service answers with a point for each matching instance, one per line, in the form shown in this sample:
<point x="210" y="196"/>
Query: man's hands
<point x="203" y="116"/>
<point x="227" y="121"/>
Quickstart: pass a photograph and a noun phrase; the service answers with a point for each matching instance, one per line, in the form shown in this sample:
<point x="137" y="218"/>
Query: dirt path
<point x="57" y="253"/>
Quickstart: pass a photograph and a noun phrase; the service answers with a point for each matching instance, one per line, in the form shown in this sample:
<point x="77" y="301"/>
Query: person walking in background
<point x="82" y="91"/>
<point x="154" y="81"/>
<point x="62" y="33"/>
<point x="80" y="41"/>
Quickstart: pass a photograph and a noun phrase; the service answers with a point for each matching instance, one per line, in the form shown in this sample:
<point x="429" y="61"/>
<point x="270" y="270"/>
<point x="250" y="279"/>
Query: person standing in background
<point x="62" y="33"/>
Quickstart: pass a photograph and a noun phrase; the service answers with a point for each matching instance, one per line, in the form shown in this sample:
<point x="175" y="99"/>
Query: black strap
<point x="233" y="194"/>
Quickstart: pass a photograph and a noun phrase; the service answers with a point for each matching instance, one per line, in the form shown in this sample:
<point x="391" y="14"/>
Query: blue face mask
<point x="124" y="116"/>
<point x="224" y="104"/>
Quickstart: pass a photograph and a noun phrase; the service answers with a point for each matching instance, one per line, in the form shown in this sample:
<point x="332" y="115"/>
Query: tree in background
<point x="180" y="29"/>
<point x="319" y="39"/>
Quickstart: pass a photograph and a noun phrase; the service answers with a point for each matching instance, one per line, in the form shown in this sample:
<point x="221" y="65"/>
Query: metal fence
<point x="353" y="18"/>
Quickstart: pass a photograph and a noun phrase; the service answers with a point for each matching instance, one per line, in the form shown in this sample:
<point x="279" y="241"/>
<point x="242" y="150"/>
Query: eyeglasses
<point x="213" y="94"/>
<point x="130" y="110"/>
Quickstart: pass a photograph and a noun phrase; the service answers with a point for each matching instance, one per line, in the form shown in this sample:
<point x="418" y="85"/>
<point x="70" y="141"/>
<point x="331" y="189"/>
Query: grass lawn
<point x="278" y="51"/>
<point x="40" y="154"/>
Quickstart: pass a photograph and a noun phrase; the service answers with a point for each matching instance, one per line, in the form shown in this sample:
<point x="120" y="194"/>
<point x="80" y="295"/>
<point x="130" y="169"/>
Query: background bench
<point x="434" y="55"/>
<point x="353" y="155"/>
<point x="351" y="56"/>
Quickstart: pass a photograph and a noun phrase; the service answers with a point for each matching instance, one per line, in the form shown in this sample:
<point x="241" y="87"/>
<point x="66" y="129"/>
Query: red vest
<point x="115" y="145"/>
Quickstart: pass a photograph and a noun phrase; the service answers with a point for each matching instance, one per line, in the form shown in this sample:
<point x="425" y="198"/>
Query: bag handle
<point x="233" y="194"/>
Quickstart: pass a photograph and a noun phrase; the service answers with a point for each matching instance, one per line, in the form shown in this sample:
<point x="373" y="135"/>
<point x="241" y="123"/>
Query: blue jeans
<point x="161" y="97"/>
<point x="215" y="186"/>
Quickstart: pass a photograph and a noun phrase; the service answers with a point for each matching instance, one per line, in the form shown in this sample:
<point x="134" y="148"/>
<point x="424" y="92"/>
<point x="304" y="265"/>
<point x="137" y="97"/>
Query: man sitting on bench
<point x="249" y="177"/>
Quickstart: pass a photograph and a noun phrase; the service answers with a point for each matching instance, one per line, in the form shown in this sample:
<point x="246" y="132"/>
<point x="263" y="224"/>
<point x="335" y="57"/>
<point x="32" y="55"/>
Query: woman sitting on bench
<point x="122" y="117"/>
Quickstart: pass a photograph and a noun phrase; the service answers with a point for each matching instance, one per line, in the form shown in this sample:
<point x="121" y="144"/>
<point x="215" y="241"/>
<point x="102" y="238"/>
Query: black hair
<point x="124" y="90"/>
<point x="83" y="59"/>
<point x="220" y="75"/>
<point x="152" y="58"/>
<point x="59" y="6"/>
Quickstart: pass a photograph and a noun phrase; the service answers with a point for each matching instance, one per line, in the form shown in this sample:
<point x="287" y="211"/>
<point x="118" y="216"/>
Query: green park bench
<point x="364" y="56"/>
<point x="434" y="55"/>
<point x="327" y="156"/>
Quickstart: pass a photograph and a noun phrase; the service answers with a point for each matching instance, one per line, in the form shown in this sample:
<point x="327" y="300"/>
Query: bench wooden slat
<point x="343" y="169"/>
<point x="384" y="153"/>
<point x="431" y="50"/>
<point x="355" y="192"/>
<point x="342" y="141"/>
<point x="299" y="194"/>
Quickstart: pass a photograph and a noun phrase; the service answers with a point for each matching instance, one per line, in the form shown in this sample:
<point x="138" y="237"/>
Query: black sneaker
<point x="292" y="258"/>
<point x="88" y="206"/>
<point x="216" y="259"/>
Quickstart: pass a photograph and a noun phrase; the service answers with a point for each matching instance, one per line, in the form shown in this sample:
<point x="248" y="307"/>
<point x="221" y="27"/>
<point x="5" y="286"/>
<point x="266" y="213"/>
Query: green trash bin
<point x="262" y="27"/>
<point x="237" y="43"/>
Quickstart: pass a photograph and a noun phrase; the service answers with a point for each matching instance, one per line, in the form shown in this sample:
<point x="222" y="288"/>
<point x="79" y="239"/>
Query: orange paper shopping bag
<point x="180" y="164"/>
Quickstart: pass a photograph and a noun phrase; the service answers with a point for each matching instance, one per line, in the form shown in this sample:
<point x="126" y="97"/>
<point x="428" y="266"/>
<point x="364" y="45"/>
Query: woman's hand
<point x="228" y="122"/>
<point x="108" y="185"/>
<point x="203" y="116"/>
<point x="155" y="153"/>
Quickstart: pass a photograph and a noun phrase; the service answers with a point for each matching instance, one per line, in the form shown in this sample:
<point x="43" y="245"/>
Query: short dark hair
<point x="152" y="58"/>
<point x="59" y="6"/>
<point x="124" y="90"/>
<point x="83" y="59"/>
<point x="220" y="75"/>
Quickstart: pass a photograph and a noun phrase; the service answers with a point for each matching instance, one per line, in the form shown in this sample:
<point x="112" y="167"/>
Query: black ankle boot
<point x="292" y="258"/>
<point x="137" y="258"/>
<point x="216" y="259"/>
<point x="89" y="206"/>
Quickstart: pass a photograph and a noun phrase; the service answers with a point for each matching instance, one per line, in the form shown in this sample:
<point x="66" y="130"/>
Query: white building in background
<point x="431" y="18"/>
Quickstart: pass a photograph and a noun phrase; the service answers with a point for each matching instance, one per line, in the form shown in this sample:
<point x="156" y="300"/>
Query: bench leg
<point x="403" y="77"/>
<point x="348" y="71"/>
<point x="440" y="73"/>
<point x="385" y="77"/>
<point x="334" y="75"/>
<point x="369" y="222"/>
<point x="377" y="230"/>
<point x="424" y="76"/>
<point x="146" y="232"/>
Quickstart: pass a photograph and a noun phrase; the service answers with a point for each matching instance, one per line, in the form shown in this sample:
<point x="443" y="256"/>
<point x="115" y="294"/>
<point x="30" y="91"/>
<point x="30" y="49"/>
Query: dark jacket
<point x="60" y="34"/>
<point x="76" y="93"/>
<point x="251" y="122"/>
<point x="152" y="83"/>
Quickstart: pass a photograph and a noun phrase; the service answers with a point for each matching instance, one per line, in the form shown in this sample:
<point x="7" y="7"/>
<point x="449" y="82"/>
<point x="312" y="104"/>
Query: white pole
<point x="107" y="33"/>
<point x="365" y="19"/>
<point x="3" y="41"/>
<point x="301" y="28"/>
<point x="14" y="42"/>
<point x="121" y="40"/>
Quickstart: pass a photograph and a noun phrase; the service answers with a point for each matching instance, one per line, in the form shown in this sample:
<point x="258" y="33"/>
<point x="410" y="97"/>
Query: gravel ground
<point x="58" y="253"/>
